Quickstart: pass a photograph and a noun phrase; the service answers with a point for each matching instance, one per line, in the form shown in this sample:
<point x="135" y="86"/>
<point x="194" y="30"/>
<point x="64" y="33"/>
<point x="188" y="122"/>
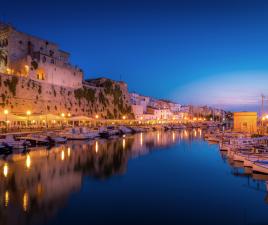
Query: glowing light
<point x="124" y="143"/>
<point x="158" y="136"/>
<point x="97" y="116"/>
<point x="6" y="198"/>
<point x="62" y="115"/>
<point x="6" y="112"/>
<point x="124" y="117"/>
<point x="28" y="113"/>
<point x="141" y="139"/>
<point x="173" y="136"/>
<point x="5" y="170"/>
<point x="96" y="147"/>
<point x="28" y="161"/>
<point x="62" y="155"/>
<point x="69" y="152"/>
<point x="25" y="201"/>
<point x="69" y="115"/>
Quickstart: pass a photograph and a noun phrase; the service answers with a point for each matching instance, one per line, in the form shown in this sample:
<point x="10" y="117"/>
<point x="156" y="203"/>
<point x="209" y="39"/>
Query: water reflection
<point x="35" y="185"/>
<point x="38" y="183"/>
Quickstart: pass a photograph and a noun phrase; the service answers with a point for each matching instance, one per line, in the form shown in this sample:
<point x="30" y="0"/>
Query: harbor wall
<point x="107" y="98"/>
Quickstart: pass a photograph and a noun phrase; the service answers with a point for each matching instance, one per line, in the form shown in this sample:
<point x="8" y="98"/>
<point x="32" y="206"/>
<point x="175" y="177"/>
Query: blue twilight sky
<point x="200" y="52"/>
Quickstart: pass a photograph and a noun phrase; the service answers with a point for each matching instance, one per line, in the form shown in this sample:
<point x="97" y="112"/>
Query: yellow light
<point x="62" y="115"/>
<point x="28" y="161"/>
<point x="69" y="152"/>
<point x="97" y="116"/>
<point x="141" y="117"/>
<point x="141" y="139"/>
<point x="6" y="112"/>
<point x="266" y="116"/>
<point x="6" y="198"/>
<point x="62" y="155"/>
<point x="8" y="70"/>
<point x="5" y="170"/>
<point x="69" y="114"/>
<point x="124" y="143"/>
<point x="173" y="136"/>
<point x="25" y="201"/>
<point x="33" y="121"/>
<point x="28" y="113"/>
<point x="96" y="147"/>
<point x="124" y="117"/>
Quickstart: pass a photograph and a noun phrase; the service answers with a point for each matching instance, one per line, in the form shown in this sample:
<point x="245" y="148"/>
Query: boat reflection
<point x="33" y="186"/>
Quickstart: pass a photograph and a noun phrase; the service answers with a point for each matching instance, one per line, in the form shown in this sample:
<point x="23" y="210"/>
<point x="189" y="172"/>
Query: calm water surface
<point x="149" y="178"/>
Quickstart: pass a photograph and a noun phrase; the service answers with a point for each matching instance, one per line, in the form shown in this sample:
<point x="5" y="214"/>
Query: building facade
<point x="41" y="60"/>
<point x="245" y="122"/>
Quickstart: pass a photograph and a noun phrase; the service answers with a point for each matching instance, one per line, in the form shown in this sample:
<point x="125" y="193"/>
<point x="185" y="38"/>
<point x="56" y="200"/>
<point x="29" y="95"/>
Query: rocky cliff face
<point x="109" y="99"/>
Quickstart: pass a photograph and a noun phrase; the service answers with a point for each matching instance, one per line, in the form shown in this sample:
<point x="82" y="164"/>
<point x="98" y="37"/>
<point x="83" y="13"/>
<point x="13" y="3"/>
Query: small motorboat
<point x="260" y="166"/>
<point x="9" y="141"/>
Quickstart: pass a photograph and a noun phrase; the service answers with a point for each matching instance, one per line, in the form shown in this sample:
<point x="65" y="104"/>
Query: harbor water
<point x="173" y="177"/>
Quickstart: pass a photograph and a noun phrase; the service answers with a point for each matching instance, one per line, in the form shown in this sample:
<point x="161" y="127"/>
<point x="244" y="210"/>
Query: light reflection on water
<point x="36" y="185"/>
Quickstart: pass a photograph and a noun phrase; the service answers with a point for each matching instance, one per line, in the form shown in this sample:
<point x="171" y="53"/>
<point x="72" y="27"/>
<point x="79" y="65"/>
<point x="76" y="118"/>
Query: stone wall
<point x="108" y="99"/>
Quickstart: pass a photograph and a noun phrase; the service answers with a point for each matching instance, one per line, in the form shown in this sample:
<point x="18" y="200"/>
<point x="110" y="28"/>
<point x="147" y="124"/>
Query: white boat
<point x="125" y="130"/>
<point x="14" y="144"/>
<point x="249" y="160"/>
<point x="79" y="134"/>
<point x="35" y="139"/>
<point x="260" y="166"/>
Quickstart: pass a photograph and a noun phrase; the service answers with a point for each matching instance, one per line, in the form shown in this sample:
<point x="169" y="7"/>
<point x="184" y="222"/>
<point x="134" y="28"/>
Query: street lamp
<point x="6" y="113"/>
<point x="97" y="116"/>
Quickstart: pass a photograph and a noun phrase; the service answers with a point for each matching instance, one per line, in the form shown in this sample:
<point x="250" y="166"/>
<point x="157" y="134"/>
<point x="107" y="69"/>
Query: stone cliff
<point x="107" y="98"/>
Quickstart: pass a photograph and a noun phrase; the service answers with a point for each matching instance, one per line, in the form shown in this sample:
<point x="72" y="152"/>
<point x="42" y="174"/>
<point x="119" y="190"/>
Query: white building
<point x="37" y="59"/>
<point x="141" y="100"/>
